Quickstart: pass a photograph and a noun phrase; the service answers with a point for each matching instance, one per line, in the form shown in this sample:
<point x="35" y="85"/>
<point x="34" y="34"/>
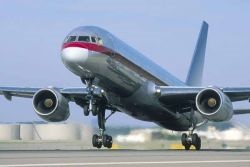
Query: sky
<point x="166" y="31"/>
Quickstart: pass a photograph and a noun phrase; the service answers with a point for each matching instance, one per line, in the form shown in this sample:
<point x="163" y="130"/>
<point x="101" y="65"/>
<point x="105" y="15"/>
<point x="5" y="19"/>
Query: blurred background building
<point x="51" y="136"/>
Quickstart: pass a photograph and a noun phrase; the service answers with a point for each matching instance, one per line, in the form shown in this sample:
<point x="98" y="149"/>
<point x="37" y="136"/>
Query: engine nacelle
<point x="214" y="105"/>
<point x="51" y="105"/>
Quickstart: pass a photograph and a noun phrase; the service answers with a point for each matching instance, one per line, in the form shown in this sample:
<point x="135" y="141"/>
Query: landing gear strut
<point x="91" y="106"/>
<point x="101" y="139"/>
<point x="191" y="138"/>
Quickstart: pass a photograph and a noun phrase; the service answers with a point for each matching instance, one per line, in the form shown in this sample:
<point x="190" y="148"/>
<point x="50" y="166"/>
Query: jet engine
<point x="51" y="105"/>
<point x="214" y="105"/>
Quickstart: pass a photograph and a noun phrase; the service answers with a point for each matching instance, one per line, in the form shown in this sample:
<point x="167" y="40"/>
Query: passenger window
<point x="71" y="39"/>
<point x="84" y="38"/>
<point x="93" y="39"/>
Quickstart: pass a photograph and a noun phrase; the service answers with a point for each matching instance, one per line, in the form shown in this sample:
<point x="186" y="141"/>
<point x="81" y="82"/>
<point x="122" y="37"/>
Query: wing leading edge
<point x="26" y="92"/>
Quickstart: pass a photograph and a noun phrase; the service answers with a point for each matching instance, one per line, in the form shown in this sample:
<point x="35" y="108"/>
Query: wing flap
<point x="77" y="91"/>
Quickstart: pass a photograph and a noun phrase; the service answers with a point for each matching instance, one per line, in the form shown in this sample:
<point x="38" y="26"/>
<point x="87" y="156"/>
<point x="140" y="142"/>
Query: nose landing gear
<point x="92" y="103"/>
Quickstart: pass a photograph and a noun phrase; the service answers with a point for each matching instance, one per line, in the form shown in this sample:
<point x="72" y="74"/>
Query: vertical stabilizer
<point x="194" y="77"/>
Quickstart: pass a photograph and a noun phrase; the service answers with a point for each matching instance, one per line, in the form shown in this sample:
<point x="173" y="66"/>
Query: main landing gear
<point x="102" y="139"/>
<point x="191" y="139"/>
<point x="97" y="109"/>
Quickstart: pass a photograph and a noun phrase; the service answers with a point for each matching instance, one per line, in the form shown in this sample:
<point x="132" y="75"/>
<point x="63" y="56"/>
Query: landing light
<point x="158" y="91"/>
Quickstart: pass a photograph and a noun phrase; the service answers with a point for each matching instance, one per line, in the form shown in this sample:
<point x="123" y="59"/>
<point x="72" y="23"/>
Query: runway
<point x="124" y="158"/>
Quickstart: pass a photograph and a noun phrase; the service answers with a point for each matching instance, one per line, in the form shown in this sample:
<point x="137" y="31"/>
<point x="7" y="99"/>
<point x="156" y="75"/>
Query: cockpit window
<point x="71" y="39"/>
<point x="93" y="39"/>
<point x="100" y="42"/>
<point x="84" y="38"/>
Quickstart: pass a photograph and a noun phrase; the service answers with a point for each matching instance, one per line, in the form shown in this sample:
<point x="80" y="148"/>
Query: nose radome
<point x="74" y="55"/>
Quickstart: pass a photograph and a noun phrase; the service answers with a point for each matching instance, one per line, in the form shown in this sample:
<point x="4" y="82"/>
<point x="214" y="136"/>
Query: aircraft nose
<point x="74" y="55"/>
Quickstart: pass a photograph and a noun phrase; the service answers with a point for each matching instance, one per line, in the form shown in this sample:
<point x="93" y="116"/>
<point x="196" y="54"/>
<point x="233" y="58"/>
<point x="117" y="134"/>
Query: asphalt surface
<point x="122" y="158"/>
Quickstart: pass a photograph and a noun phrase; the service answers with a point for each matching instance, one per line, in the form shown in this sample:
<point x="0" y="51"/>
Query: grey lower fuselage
<point x="128" y="78"/>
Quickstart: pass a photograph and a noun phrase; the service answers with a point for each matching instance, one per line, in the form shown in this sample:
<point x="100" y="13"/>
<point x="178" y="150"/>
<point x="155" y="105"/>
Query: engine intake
<point x="214" y="105"/>
<point x="51" y="105"/>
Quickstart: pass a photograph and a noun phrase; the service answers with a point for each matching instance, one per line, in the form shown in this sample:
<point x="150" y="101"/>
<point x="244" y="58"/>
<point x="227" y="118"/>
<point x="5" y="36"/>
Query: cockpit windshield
<point x="90" y="39"/>
<point x="84" y="39"/>
<point x="70" y="39"/>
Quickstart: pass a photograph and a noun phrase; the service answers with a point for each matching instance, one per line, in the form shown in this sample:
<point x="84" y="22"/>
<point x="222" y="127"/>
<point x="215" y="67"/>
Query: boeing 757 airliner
<point x="120" y="79"/>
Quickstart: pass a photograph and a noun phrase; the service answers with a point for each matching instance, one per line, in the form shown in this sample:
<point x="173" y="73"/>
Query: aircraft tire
<point x="107" y="141"/>
<point x="86" y="110"/>
<point x="94" y="110"/>
<point x="184" y="139"/>
<point x="95" y="141"/>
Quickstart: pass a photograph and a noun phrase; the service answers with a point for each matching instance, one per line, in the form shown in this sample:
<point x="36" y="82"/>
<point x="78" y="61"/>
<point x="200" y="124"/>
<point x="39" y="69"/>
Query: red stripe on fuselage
<point x="89" y="46"/>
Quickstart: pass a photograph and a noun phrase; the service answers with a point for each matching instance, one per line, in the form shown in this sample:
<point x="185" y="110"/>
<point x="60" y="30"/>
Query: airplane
<point x="120" y="79"/>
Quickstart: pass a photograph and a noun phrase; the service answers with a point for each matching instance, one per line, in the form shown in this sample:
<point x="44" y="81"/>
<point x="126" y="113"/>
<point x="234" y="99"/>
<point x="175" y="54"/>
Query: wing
<point x="26" y="92"/>
<point x="8" y="92"/>
<point x="175" y="95"/>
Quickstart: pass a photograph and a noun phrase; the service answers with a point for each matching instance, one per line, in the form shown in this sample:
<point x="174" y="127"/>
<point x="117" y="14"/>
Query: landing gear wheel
<point x="95" y="140"/>
<point x="198" y="144"/>
<point x="104" y="140"/>
<point x="86" y="110"/>
<point x="191" y="139"/>
<point x="94" y="110"/>
<point x="195" y="138"/>
<point x="196" y="141"/>
<point x="107" y="141"/>
<point x="184" y="139"/>
<point x="99" y="145"/>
